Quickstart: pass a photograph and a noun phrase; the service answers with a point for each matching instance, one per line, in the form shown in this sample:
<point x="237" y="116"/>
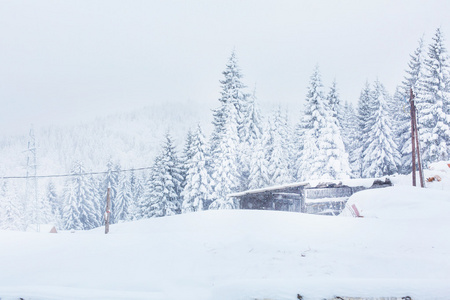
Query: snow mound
<point x="440" y="171"/>
<point x="400" y="202"/>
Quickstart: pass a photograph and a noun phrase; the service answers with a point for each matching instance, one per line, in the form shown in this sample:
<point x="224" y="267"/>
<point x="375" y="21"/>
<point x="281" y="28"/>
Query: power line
<point x="74" y="174"/>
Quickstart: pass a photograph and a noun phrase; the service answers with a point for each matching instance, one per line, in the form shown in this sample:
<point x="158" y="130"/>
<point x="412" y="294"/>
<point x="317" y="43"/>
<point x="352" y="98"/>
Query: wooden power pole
<point x="415" y="142"/>
<point x="108" y="210"/>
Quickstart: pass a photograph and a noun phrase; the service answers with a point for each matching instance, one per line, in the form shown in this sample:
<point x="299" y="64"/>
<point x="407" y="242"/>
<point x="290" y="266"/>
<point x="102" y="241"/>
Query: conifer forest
<point x="162" y="169"/>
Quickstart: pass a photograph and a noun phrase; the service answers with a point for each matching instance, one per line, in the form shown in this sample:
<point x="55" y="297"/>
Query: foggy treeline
<point x="329" y="139"/>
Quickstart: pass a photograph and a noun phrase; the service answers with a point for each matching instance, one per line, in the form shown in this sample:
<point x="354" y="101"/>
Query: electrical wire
<point x="74" y="174"/>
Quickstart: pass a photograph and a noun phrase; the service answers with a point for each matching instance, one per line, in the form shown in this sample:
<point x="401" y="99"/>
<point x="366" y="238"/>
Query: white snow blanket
<point x="401" y="247"/>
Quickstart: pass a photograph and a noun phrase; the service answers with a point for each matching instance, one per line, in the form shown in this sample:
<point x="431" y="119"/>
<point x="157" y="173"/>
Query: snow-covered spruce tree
<point x="259" y="165"/>
<point x="334" y="103"/>
<point x="350" y="132"/>
<point x="11" y="209"/>
<point x="80" y="211"/>
<point x="311" y="162"/>
<point x="434" y="103"/>
<point x="364" y="113"/>
<point x="278" y="151"/>
<point x="123" y="199"/>
<point x="232" y="92"/>
<point x="413" y="80"/>
<point x="401" y="122"/>
<point x="225" y="171"/>
<point x="197" y="193"/>
<point x="321" y="130"/>
<point x="136" y="190"/>
<point x="250" y="134"/>
<point x="163" y="197"/>
<point x="251" y="128"/>
<point x="55" y="204"/>
<point x="381" y="156"/>
<point x="415" y="72"/>
<point x="186" y="155"/>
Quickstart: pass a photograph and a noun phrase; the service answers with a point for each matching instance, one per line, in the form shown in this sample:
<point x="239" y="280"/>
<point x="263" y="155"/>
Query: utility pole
<point x="108" y="210"/>
<point x="415" y="141"/>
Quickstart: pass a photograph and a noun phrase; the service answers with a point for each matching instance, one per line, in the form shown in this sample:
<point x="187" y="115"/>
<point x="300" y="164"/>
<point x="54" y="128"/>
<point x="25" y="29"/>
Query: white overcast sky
<point x="73" y="60"/>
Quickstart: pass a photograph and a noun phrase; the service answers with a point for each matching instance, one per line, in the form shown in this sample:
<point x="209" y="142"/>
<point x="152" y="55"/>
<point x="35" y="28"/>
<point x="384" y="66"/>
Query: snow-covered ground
<point x="400" y="247"/>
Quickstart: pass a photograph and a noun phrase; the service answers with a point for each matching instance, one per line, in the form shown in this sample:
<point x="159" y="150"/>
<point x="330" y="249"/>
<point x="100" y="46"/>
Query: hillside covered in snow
<point x="398" y="248"/>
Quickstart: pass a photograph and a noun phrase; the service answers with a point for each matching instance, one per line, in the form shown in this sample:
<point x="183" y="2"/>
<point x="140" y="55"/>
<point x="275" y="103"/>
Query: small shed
<point x="314" y="197"/>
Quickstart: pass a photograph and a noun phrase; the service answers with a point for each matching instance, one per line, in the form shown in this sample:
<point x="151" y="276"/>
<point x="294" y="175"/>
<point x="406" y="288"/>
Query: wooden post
<point x="419" y="162"/>
<point x="415" y="143"/>
<point x="108" y="210"/>
<point x="413" y="134"/>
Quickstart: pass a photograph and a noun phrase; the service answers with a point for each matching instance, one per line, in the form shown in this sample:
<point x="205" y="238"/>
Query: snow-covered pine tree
<point x="415" y="72"/>
<point x="251" y="129"/>
<point x="401" y="122"/>
<point x="413" y="80"/>
<point x="334" y="103"/>
<point x="136" y="190"/>
<point x="164" y="196"/>
<point x="11" y="208"/>
<point x="186" y="156"/>
<point x="232" y="92"/>
<point x="55" y="204"/>
<point x="250" y="133"/>
<point x="350" y="134"/>
<point x="313" y="119"/>
<point x="322" y="131"/>
<point x="364" y="113"/>
<point x="278" y="150"/>
<point x="80" y="210"/>
<point x="259" y="165"/>
<point x="381" y="155"/>
<point x="225" y="174"/>
<point x="434" y="103"/>
<point x="197" y="193"/>
<point x="123" y="199"/>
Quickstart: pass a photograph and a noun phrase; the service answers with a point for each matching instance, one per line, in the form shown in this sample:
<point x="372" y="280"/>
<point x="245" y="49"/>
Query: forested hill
<point x="131" y="139"/>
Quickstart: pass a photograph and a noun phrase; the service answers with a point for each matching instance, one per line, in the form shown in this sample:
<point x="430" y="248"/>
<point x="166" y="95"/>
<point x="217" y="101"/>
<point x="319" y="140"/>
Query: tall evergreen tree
<point x="55" y="202"/>
<point x="259" y="165"/>
<point x="334" y="103"/>
<point x="80" y="211"/>
<point x="278" y="154"/>
<point x="197" y="193"/>
<point x="350" y="133"/>
<point x="401" y="121"/>
<point x="164" y="195"/>
<point x="364" y="113"/>
<point x="187" y="154"/>
<point x="321" y="134"/>
<point x="381" y="156"/>
<point x="251" y="132"/>
<point x="11" y="209"/>
<point x="123" y="199"/>
<point x="434" y="104"/>
<point x="136" y="190"/>
<point x="232" y="92"/>
<point x="413" y="80"/>
<point x="225" y="174"/>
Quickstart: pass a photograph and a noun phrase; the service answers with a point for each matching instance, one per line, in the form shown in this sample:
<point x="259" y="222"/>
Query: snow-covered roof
<point x="363" y="182"/>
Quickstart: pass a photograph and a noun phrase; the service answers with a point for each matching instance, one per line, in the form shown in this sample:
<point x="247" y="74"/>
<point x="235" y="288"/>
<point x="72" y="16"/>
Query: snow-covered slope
<point x="401" y="247"/>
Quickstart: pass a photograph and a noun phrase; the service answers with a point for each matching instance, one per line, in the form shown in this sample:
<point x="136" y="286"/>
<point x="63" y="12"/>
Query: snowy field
<point x="401" y="247"/>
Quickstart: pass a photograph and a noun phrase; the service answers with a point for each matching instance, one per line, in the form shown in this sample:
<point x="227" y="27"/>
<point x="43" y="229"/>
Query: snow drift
<point x="400" y="247"/>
